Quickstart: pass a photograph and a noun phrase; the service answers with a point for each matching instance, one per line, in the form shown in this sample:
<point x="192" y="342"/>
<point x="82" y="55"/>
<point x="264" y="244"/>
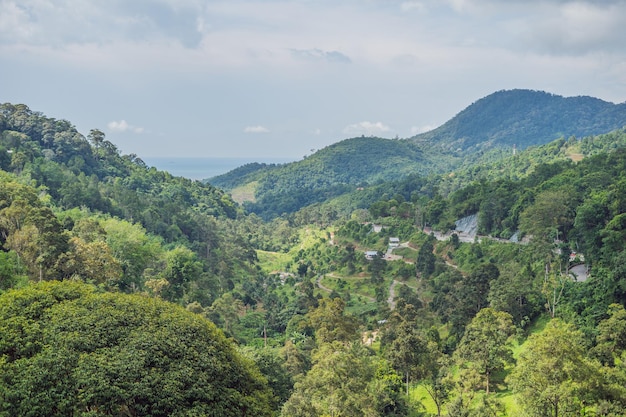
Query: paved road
<point x="580" y="271"/>
<point x="320" y="285"/>
<point x="392" y="295"/>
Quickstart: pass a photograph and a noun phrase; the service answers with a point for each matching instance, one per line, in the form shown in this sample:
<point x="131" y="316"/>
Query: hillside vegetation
<point x="485" y="130"/>
<point x="368" y="303"/>
<point x="524" y="118"/>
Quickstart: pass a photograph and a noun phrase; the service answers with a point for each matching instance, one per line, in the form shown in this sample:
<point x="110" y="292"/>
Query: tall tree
<point x="331" y="323"/>
<point x="611" y="338"/>
<point x="553" y="376"/>
<point x="425" y="262"/>
<point x="346" y="380"/>
<point x="408" y="352"/>
<point x="485" y="346"/>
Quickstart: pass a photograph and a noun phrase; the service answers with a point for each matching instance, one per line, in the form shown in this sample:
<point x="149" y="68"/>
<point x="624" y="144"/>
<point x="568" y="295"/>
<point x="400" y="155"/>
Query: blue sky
<point x="269" y="78"/>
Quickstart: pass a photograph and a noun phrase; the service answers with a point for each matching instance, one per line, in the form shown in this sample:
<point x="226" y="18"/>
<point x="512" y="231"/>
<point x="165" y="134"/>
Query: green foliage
<point x="347" y="380"/>
<point x="524" y="118"/>
<point x="68" y="350"/>
<point x="331" y="323"/>
<point x="141" y="230"/>
<point x="426" y="259"/>
<point x="552" y="375"/>
<point x="485" y="347"/>
<point x="274" y="370"/>
<point x="484" y="132"/>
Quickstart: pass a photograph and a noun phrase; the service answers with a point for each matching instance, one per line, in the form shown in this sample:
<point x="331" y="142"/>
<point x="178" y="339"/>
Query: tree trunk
<point x="487" y="374"/>
<point x="407" y="383"/>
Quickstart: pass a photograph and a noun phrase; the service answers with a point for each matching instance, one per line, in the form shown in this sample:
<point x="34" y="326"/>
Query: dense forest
<point x="127" y="291"/>
<point x="485" y="131"/>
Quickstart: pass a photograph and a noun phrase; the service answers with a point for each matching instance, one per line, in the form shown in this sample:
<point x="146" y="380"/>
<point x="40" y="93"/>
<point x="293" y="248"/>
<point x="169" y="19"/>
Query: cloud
<point x="412" y="5"/>
<point x="416" y="130"/>
<point x="59" y="23"/>
<point x="256" y="129"/>
<point x="320" y="55"/>
<point x="123" y="126"/>
<point x="578" y="28"/>
<point x="366" y="128"/>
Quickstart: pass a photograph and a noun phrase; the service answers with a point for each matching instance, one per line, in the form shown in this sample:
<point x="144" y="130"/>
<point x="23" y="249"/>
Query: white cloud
<point x="412" y="5"/>
<point x="366" y="128"/>
<point x="416" y="130"/>
<point x="578" y="28"/>
<point x="256" y="129"/>
<point x="215" y="66"/>
<point x="123" y="126"/>
<point x="319" y="55"/>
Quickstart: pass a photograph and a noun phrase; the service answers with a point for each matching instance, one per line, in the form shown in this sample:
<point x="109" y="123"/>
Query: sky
<point x="281" y="79"/>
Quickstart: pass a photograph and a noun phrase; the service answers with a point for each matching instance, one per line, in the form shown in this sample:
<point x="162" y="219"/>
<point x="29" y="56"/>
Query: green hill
<point x="524" y="118"/>
<point x="485" y="131"/>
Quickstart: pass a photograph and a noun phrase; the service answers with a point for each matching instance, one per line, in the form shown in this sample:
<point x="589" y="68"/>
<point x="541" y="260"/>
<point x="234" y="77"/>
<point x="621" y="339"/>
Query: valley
<point x="471" y="271"/>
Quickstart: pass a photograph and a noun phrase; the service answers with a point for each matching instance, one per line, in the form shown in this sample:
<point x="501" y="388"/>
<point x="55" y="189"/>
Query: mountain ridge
<point x="525" y="118"/>
<point x="504" y="119"/>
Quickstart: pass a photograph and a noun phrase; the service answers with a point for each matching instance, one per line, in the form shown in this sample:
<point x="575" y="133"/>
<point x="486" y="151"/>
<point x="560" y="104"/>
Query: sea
<point x="201" y="168"/>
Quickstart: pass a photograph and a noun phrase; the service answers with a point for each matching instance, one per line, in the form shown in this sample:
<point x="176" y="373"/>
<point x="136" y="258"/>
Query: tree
<point x="425" y="262"/>
<point x="133" y="248"/>
<point x="273" y="368"/>
<point x="469" y="295"/>
<point x="181" y="267"/>
<point x="377" y="266"/>
<point x="408" y="352"/>
<point x="9" y="270"/>
<point x="611" y="338"/>
<point x="553" y="376"/>
<point x="92" y="262"/>
<point x="96" y="137"/>
<point x="225" y="311"/>
<point x="517" y="292"/>
<point x="436" y="380"/>
<point x="552" y="212"/>
<point x="346" y="380"/>
<point x="69" y="350"/>
<point x="485" y="345"/>
<point x="331" y="323"/>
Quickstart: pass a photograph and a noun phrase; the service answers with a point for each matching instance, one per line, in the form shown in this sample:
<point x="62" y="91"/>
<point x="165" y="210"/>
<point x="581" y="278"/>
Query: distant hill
<point x="332" y="171"/>
<point x="524" y="118"/>
<point x="477" y="134"/>
<point x="351" y="161"/>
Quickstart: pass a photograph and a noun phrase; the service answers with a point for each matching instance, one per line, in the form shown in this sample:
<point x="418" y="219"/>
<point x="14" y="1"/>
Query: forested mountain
<point x="524" y="118"/>
<point x="332" y="171"/>
<point x="96" y="248"/>
<point x="485" y="130"/>
<point x="73" y="191"/>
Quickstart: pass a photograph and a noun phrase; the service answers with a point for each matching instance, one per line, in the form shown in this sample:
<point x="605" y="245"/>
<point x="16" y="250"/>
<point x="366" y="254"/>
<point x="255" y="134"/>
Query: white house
<point x="371" y="254"/>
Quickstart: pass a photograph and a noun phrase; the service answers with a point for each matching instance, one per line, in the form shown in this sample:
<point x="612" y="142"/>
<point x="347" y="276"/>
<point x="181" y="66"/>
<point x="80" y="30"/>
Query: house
<point x="576" y="257"/>
<point x="394" y="242"/>
<point x="371" y="254"/>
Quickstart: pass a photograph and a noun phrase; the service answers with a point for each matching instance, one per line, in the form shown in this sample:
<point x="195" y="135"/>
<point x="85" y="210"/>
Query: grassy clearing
<point x="409" y="253"/>
<point x="272" y="261"/>
<point x="245" y="192"/>
<point x="418" y="394"/>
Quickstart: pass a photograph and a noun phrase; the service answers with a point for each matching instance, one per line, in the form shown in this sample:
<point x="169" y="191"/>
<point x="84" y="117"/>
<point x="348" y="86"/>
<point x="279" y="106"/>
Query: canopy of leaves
<point x="500" y="120"/>
<point x="68" y="350"/>
<point x="525" y="118"/>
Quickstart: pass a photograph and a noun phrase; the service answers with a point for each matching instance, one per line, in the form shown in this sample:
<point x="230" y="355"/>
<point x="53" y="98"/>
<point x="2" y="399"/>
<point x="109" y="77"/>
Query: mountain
<point x="479" y="133"/>
<point x="332" y="171"/>
<point x="524" y="118"/>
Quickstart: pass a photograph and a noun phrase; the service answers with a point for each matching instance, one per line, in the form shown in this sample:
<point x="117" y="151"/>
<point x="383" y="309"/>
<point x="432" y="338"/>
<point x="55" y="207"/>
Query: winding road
<point x="392" y="295"/>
